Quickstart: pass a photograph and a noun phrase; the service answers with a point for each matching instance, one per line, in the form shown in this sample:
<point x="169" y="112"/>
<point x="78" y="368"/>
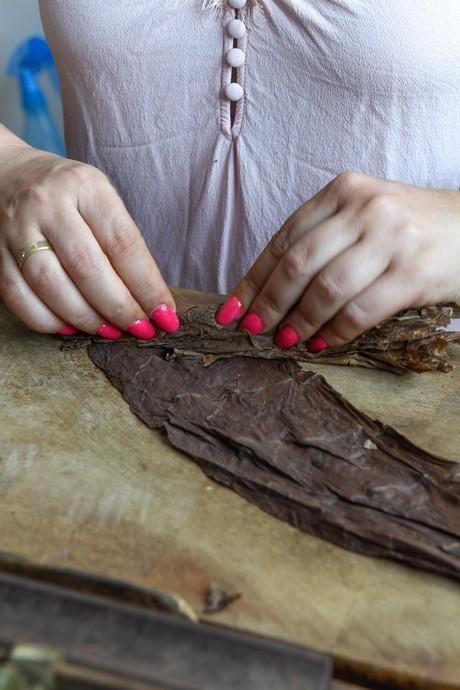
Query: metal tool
<point x="133" y="644"/>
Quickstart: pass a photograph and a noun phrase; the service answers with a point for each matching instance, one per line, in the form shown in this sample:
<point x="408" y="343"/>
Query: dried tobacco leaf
<point x="411" y="340"/>
<point x="285" y="440"/>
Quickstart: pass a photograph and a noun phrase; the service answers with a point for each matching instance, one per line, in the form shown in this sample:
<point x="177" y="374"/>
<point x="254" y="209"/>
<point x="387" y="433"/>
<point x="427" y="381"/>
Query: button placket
<point x="235" y="45"/>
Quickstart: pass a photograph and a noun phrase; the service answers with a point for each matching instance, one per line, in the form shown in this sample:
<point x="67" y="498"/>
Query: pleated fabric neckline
<point x="247" y="14"/>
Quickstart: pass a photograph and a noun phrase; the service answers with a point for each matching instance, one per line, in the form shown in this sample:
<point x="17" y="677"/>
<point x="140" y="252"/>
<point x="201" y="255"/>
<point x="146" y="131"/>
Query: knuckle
<point x="411" y="235"/>
<point x="123" y="243"/>
<point x="85" y="319"/>
<point x="251" y="283"/>
<point x="327" y="289"/>
<point x="347" y="182"/>
<point x="83" y="264"/>
<point x="354" y="320"/>
<point x="381" y="207"/>
<point x="83" y="174"/>
<point x="280" y="243"/>
<point x="303" y="321"/>
<point x="35" y="194"/>
<point x="294" y="264"/>
<point x="267" y="304"/>
<point x="43" y="278"/>
<point x="122" y="311"/>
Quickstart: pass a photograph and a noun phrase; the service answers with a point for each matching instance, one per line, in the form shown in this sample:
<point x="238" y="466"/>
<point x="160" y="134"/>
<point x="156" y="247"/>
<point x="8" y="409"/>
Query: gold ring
<point x="30" y="249"/>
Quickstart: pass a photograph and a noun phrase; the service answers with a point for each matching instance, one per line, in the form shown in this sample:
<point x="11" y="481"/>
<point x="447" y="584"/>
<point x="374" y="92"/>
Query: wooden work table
<point x="84" y="484"/>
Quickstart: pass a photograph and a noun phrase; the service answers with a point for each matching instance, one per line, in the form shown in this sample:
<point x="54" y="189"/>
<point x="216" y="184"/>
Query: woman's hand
<point x="356" y="253"/>
<point x="99" y="277"/>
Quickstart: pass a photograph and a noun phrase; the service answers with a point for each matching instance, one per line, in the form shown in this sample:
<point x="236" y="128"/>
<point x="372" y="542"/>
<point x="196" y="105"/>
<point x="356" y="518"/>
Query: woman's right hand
<point x="100" y="277"/>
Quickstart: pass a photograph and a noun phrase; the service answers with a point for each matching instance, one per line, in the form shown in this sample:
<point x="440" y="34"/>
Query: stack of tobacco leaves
<point x="285" y="440"/>
<point x="412" y="340"/>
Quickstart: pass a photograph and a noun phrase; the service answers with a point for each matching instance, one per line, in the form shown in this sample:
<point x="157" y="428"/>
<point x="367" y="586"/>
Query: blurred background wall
<point x="19" y="19"/>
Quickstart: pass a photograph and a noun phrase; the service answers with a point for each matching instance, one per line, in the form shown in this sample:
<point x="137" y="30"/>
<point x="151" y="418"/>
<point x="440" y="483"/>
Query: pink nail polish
<point x="229" y="311"/>
<point x="252" y="323"/>
<point x="318" y="344"/>
<point x="142" y="329"/>
<point x="286" y="337"/>
<point x="109" y="331"/>
<point x="166" y="318"/>
<point x="68" y="330"/>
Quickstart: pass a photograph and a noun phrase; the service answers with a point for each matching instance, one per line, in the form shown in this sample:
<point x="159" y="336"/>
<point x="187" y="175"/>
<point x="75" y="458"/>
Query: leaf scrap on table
<point x="218" y="599"/>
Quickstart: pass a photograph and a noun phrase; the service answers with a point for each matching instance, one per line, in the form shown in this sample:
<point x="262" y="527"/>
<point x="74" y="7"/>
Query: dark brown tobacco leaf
<point x="411" y="340"/>
<point x="285" y="440"/>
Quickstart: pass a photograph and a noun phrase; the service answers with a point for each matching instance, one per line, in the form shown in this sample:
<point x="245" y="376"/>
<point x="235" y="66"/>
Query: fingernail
<point x="68" y="330"/>
<point x="166" y="318"/>
<point x="229" y="311"/>
<point x="108" y="330"/>
<point x="318" y="344"/>
<point x="252" y="323"/>
<point x="142" y="329"/>
<point x="286" y="337"/>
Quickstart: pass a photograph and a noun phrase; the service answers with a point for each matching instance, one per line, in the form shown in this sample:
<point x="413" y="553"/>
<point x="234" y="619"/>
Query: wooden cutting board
<point x="84" y="484"/>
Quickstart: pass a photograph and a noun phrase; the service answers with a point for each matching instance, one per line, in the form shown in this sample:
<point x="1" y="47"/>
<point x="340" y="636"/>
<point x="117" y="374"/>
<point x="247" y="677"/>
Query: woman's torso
<point x="328" y="85"/>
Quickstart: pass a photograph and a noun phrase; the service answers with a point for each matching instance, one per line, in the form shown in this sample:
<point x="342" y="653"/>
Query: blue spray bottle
<point x="39" y="129"/>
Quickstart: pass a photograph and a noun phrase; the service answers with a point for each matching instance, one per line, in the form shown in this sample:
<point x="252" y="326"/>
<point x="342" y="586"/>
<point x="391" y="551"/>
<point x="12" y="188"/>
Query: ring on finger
<point x="32" y="248"/>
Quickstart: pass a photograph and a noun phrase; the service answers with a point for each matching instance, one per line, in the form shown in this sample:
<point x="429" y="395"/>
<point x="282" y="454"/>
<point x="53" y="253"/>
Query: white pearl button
<point x="235" y="57"/>
<point x="234" y="92"/>
<point x="237" y="4"/>
<point x="236" y="29"/>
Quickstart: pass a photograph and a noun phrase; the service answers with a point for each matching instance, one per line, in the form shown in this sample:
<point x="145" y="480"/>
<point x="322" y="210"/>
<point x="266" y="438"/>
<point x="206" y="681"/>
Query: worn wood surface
<point x="84" y="484"/>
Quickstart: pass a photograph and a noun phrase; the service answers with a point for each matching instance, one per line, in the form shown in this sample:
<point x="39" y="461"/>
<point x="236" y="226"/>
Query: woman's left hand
<point x="358" y="252"/>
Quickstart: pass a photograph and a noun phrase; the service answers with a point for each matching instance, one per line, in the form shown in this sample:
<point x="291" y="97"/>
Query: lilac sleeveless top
<point x="320" y="86"/>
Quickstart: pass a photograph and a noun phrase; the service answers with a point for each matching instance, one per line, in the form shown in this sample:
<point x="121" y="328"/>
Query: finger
<point x="103" y="297"/>
<point x="345" y="277"/>
<point x="122" y="242"/>
<point x="389" y="294"/>
<point x="22" y="301"/>
<point x="317" y="210"/>
<point x="46" y="277"/>
<point x="298" y="267"/>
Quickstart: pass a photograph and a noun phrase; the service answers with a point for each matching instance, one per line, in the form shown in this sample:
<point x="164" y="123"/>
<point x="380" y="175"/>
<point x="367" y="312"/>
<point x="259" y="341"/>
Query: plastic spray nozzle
<point x="31" y="94"/>
<point x="39" y="128"/>
<point x="35" y="56"/>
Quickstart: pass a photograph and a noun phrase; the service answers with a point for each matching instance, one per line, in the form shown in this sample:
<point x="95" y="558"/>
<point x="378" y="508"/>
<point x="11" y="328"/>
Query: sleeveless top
<point x="326" y="85"/>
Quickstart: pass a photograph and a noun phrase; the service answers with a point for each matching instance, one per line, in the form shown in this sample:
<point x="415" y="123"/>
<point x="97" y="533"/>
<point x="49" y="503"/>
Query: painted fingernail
<point x="68" y="330"/>
<point x="286" y="337"/>
<point x="108" y="330"/>
<point x="142" y="329"/>
<point x="166" y="318"/>
<point x="229" y="311"/>
<point x="252" y="323"/>
<point x="317" y="344"/>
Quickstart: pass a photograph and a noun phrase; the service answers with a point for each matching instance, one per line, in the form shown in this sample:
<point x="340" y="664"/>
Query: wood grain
<point x="83" y="483"/>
